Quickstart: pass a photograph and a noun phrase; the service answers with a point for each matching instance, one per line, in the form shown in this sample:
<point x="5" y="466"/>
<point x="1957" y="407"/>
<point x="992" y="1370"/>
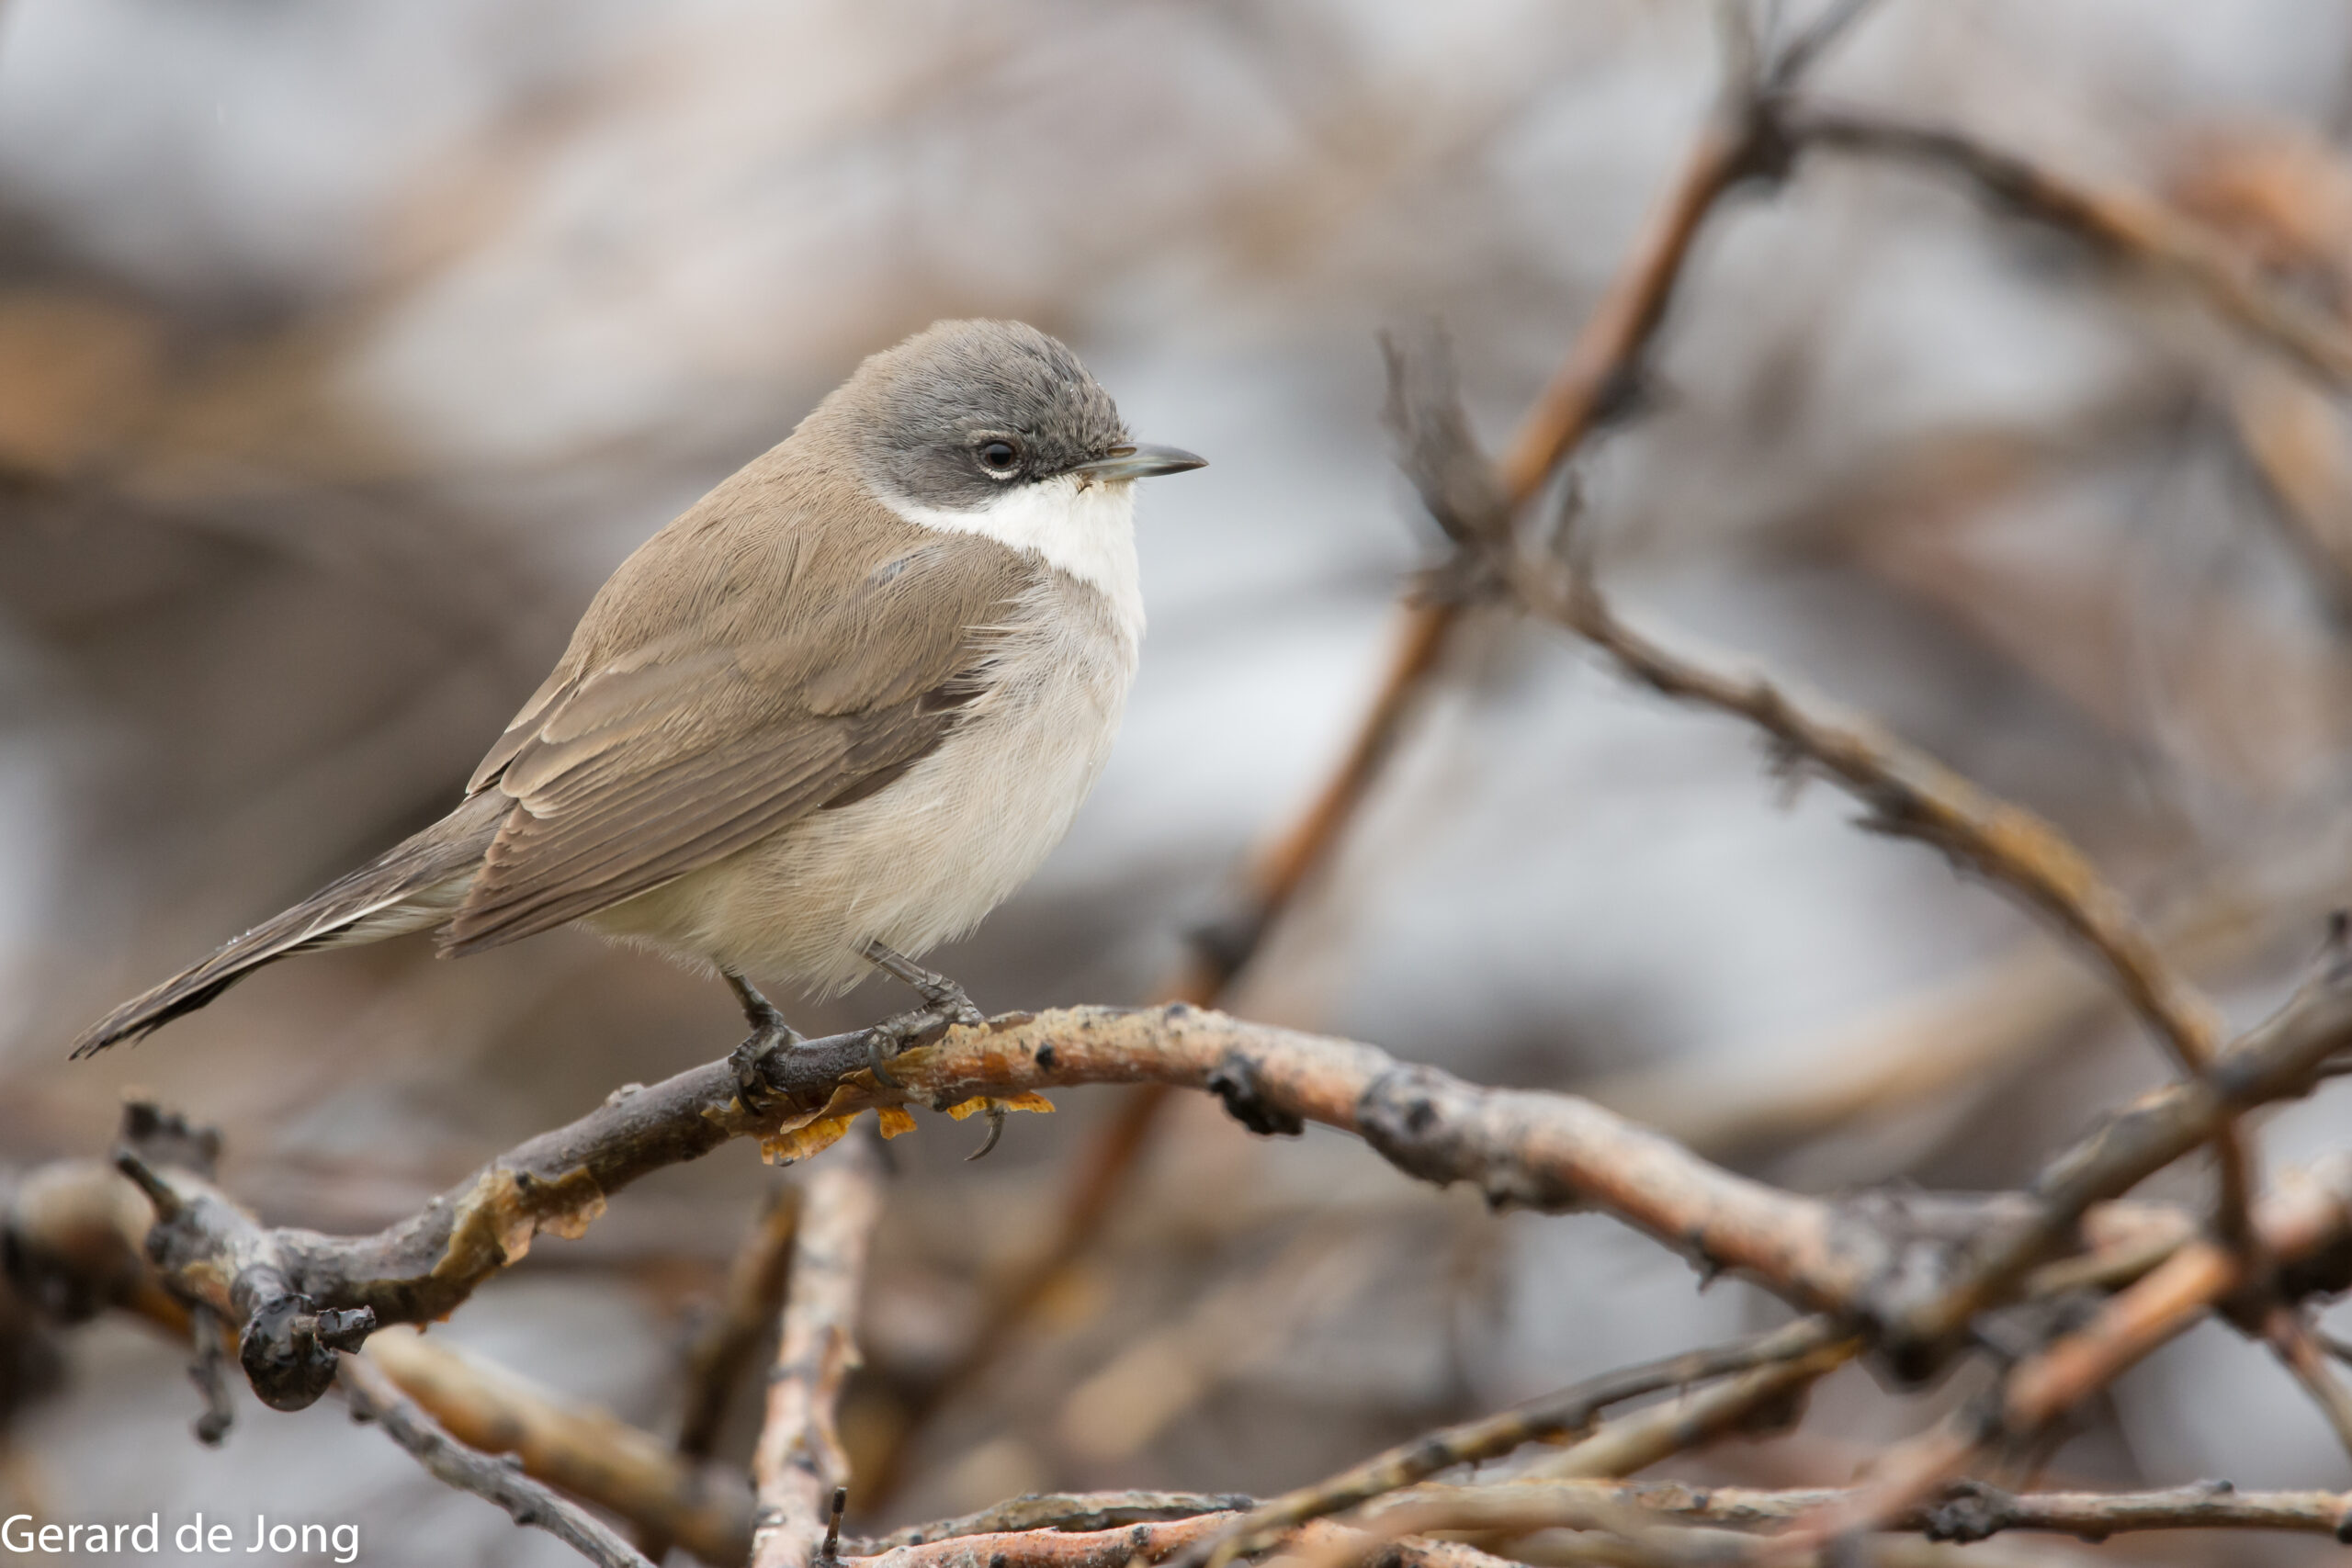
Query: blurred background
<point x="346" y="348"/>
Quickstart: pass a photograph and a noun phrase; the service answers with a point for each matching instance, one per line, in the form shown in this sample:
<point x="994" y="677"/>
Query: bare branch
<point x="1765" y="1398"/>
<point x="722" y="1351"/>
<point x="2298" y="1349"/>
<point x="374" y="1397"/>
<point x="799" y="1463"/>
<point x="1148" y="1543"/>
<point x="1969" y="1511"/>
<point x="588" y="1453"/>
<point x="1080" y="1511"/>
<point x="2124" y="224"/>
<point x="74" y="1231"/>
<point x="1572" y="1410"/>
<point x="1519" y="1148"/>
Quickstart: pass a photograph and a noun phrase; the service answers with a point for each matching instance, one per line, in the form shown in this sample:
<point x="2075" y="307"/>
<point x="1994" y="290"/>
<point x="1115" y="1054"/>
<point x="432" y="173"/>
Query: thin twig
<point x="1061" y="1511"/>
<point x="1571" y="1410"/>
<point x="1908" y="794"/>
<point x="208" y="1370"/>
<point x="373" y="1397"/>
<point x="1905" y="792"/>
<point x="722" y="1351"/>
<point x="2298" y="1349"/>
<point x="77" y="1229"/>
<point x="1148" y="1543"/>
<point x="583" y="1452"/>
<point x="2280" y="1059"/>
<point x="2124" y="224"/>
<point x="724" y="1348"/>
<point x="2305" y="1216"/>
<point x="799" y="1461"/>
<point x="1968" y="1512"/>
<point x="1765" y="1397"/>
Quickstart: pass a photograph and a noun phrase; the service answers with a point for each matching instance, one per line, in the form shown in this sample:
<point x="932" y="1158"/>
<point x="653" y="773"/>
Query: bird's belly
<point x="913" y="864"/>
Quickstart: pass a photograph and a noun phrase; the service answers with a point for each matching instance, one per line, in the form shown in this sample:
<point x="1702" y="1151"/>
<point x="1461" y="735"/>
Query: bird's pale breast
<point x="922" y="859"/>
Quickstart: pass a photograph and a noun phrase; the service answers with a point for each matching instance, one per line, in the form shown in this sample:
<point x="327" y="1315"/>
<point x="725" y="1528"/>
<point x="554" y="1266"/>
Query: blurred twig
<point x="2124" y="224"/>
<point x="374" y="1397"/>
<point x="587" y="1453"/>
<point x="2298" y="1221"/>
<point x="723" y="1349"/>
<point x="1766" y="1397"/>
<point x="2298" y="1349"/>
<point x="798" y="1462"/>
<point x="1572" y="1410"/>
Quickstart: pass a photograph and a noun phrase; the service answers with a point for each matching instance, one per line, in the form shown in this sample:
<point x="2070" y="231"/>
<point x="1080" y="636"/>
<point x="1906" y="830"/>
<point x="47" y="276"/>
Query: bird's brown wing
<point x="629" y="770"/>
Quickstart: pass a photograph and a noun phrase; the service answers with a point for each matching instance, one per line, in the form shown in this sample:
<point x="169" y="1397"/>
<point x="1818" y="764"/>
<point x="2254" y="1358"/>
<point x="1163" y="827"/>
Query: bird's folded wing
<point x="693" y="745"/>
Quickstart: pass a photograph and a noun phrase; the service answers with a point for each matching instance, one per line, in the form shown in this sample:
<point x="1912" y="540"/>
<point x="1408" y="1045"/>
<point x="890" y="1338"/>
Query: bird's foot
<point x="937" y="990"/>
<point x="886" y="1039"/>
<point x="945" y="1003"/>
<point x="769" y="1034"/>
<point x="749" y="1061"/>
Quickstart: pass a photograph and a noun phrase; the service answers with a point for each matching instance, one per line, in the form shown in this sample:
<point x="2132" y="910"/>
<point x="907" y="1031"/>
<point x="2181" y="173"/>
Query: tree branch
<point x="1967" y="1512"/>
<point x="2123" y="224"/>
<point x="799" y="1463"/>
<point x="1572" y="1410"/>
<point x="1881" y="1259"/>
<point x="374" y="1397"/>
<point x="722" y="1350"/>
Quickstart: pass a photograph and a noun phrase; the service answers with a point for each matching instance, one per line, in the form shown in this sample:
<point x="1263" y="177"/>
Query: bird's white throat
<point x="1086" y="529"/>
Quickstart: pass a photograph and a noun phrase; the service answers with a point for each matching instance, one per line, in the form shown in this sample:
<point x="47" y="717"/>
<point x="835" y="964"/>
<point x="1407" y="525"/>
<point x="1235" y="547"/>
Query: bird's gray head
<point x="964" y="411"/>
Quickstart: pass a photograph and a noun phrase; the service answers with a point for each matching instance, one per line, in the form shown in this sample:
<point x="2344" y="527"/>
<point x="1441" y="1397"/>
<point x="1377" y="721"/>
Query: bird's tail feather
<point x="415" y="883"/>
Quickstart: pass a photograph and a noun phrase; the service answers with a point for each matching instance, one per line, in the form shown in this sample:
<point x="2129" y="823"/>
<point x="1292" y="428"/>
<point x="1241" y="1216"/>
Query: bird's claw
<point x="995" y="1114"/>
<point x="880" y="1046"/>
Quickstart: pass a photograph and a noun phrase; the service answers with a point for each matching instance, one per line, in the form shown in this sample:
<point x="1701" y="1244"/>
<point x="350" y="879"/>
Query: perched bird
<point x="830" y="717"/>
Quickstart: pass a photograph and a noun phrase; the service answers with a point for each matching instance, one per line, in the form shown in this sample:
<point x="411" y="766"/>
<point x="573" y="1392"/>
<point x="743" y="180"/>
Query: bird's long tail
<point x="417" y="882"/>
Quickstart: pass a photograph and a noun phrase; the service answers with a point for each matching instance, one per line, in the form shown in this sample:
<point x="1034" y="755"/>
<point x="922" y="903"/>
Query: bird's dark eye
<point x="999" y="456"/>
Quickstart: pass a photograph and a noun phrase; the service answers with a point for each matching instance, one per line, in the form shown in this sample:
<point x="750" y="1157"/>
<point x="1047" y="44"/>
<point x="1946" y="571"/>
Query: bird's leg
<point x="769" y="1033"/>
<point x="945" y="1001"/>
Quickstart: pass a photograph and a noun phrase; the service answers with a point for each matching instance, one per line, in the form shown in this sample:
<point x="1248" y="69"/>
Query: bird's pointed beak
<point x="1139" y="462"/>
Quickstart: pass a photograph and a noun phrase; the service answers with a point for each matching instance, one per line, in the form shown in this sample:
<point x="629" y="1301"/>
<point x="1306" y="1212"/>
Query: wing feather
<point x="644" y="762"/>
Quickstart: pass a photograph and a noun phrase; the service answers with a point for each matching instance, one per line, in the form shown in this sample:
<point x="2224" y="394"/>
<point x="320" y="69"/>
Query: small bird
<point x="828" y="717"/>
